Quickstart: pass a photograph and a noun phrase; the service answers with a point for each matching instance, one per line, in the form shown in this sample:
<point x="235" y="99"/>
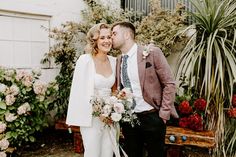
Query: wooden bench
<point x="187" y="137"/>
<point x="204" y="139"/>
<point x="78" y="144"/>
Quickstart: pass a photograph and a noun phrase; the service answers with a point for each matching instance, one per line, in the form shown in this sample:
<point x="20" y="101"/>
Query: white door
<point x="23" y="42"/>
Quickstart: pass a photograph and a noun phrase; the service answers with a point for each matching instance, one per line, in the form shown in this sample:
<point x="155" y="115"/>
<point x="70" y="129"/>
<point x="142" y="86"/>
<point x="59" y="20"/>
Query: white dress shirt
<point x="133" y="75"/>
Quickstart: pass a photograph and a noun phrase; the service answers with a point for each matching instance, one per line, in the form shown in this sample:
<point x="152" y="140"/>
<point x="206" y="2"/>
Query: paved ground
<point x="57" y="143"/>
<point x="50" y="143"/>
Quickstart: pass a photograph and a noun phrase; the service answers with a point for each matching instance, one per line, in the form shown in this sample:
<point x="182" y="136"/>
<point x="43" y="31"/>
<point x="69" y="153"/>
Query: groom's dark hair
<point x="128" y="25"/>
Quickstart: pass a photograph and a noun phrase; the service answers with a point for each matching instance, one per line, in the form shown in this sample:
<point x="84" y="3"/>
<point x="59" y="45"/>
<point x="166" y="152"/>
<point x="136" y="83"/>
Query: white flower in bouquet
<point x="4" y="143"/>
<point x="10" y="99"/>
<point x="3" y="154"/>
<point x="119" y="108"/>
<point x="23" y="109"/>
<point x="10" y="117"/>
<point x="115" y="109"/>
<point x="106" y="110"/>
<point x="116" y="117"/>
<point x="111" y="100"/>
<point x="3" y="127"/>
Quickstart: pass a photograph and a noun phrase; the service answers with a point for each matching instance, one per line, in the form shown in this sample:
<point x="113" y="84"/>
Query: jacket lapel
<point x="141" y="66"/>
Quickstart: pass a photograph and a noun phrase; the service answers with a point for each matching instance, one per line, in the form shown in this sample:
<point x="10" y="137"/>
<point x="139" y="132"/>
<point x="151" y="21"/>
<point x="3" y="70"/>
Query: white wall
<point x="59" y="10"/>
<point x="55" y="11"/>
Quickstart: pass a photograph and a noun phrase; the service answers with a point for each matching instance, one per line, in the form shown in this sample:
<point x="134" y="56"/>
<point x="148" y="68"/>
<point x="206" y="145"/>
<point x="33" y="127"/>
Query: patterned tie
<point x="126" y="81"/>
<point x="125" y="77"/>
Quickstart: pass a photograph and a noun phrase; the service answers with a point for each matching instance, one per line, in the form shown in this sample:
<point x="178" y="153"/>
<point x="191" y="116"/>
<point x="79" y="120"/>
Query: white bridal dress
<point x="97" y="139"/>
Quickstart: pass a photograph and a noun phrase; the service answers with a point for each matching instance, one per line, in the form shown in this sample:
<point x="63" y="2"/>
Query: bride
<point x="94" y="75"/>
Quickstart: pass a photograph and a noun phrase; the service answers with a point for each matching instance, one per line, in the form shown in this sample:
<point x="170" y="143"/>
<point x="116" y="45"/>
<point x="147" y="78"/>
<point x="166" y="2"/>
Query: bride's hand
<point x="106" y="120"/>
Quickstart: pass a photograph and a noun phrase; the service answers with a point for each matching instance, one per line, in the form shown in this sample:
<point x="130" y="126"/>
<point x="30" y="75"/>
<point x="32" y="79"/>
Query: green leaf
<point x="3" y="105"/>
<point x="32" y="139"/>
<point x="17" y="124"/>
<point x="8" y="134"/>
<point x="37" y="127"/>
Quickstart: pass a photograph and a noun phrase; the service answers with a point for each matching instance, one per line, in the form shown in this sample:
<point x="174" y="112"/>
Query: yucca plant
<point x="209" y="64"/>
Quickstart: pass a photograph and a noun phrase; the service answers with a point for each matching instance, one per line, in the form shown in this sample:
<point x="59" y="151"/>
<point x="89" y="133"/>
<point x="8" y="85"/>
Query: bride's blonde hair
<point x="92" y="37"/>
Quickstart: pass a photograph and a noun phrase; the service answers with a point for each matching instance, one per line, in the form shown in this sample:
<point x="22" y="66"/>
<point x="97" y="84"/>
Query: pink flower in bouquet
<point x="3" y="154"/>
<point x="115" y="108"/>
<point x="185" y="108"/>
<point x="196" y="122"/>
<point x="125" y="94"/>
<point x="200" y="104"/>
<point x="119" y="108"/>
<point x="232" y="112"/>
<point x="234" y="100"/>
<point x="184" y="122"/>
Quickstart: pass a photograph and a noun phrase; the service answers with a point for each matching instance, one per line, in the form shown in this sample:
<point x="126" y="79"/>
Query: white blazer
<point x="79" y="111"/>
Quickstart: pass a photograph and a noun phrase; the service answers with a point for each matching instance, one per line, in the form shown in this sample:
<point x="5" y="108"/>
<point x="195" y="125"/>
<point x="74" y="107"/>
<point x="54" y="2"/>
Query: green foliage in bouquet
<point x="24" y="103"/>
<point x="208" y="62"/>
<point x="161" y="27"/>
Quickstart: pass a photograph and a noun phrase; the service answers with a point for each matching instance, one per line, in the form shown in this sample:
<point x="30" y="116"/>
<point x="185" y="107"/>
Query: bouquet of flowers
<point x="116" y="108"/>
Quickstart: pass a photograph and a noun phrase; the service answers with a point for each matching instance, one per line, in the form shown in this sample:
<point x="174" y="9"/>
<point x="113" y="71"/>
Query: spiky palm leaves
<point x="209" y="63"/>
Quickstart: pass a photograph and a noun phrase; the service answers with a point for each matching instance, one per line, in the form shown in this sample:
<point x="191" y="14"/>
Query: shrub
<point x="24" y="103"/>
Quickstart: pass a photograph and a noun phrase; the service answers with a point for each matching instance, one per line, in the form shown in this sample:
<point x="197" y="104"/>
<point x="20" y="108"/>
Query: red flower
<point x="184" y="122"/>
<point x="185" y="108"/>
<point x="200" y="104"/>
<point x="196" y="122"/>
<point x="232" y="113"/>
<point x="234" y="100"/>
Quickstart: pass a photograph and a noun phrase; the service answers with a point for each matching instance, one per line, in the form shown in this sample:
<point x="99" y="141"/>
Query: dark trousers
<point x="150" y="133"/>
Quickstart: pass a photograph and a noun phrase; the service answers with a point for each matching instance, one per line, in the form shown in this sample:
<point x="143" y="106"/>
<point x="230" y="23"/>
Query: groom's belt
<point x="147" y="112"/>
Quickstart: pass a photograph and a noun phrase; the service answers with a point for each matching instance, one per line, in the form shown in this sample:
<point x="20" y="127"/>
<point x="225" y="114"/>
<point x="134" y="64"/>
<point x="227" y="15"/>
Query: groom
<point x="148" y="75"/>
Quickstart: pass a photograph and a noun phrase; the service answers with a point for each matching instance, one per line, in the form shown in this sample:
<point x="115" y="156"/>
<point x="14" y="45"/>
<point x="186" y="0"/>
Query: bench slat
<point x="204" y="139"/>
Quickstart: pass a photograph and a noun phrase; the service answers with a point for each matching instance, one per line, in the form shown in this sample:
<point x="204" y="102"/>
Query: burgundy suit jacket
<point x="156" y="80"/>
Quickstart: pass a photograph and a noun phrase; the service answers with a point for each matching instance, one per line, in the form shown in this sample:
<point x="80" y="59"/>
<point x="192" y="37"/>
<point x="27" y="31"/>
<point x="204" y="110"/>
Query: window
<point x="136" y="5"/>
<point x="143" y="5"/>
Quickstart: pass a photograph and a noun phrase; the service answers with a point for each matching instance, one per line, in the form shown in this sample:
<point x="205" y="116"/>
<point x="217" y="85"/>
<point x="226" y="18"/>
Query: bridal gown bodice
<point x="103" y="85"/>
